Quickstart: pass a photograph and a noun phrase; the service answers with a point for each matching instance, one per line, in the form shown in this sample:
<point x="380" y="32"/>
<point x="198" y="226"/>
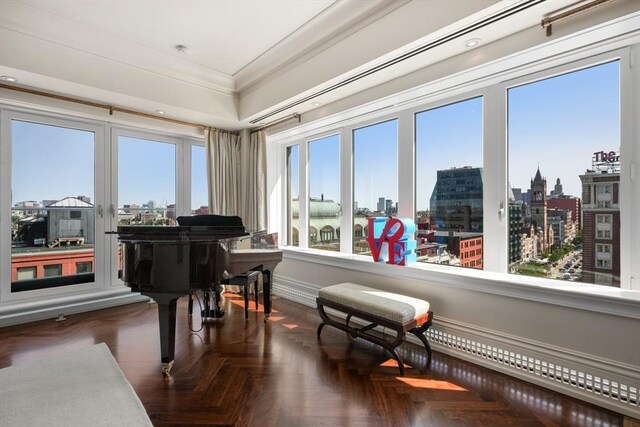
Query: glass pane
<point x="324" y="193"/>
<point x="52" y="214"/>
<point x="146" y="182"/>
<point x="375" y="177"/>
<point x="199" y="196"/>
<point x="449" y="184"/>
<point x="53" y="270"/>
<point x="293" y="168"/>
<point x="567" y="228"/>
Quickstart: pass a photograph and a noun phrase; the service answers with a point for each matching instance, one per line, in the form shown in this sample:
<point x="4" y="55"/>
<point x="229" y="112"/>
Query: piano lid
<point x="179" y="234"/>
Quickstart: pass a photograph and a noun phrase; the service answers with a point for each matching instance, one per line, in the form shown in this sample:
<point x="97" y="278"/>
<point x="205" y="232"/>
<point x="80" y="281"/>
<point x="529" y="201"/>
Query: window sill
<point x="601" y="299"/>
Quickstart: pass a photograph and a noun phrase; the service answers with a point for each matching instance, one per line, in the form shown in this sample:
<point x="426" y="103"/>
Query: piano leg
<point x="266" y="289"/>
<point x="212" y="311"/>
<point x="217" y="297"/>
<point x="167" y="321"/>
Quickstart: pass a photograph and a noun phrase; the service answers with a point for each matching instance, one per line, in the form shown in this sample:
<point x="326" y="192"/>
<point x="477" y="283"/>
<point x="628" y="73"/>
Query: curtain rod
<point x="112" y="108"/>
<point x="547" y="21"/>
<point x="294" y="116"/>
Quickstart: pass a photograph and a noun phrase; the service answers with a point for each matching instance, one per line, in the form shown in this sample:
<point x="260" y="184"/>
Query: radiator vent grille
<point x="597" y="385"/>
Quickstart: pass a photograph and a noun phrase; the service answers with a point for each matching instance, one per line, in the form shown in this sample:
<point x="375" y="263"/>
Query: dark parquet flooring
<point x="249" y="373"/>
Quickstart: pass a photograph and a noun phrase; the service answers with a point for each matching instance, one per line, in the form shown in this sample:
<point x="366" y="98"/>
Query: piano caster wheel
<point x="166" y="367"/>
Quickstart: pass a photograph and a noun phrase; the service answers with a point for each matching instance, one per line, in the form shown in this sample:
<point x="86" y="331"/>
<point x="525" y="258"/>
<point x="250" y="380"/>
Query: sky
<point x="556" y="124"/>
<point x="50" y="163"/>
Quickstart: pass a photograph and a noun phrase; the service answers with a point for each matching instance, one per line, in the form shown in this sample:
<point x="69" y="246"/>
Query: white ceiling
<point x="242" y="53"/>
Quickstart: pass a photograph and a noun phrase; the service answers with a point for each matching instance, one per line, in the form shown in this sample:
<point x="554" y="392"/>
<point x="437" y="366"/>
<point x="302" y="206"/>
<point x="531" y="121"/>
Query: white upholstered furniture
<point x="397" y="312"/>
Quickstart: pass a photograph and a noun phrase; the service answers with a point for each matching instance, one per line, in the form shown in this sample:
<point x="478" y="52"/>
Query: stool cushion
<point x="387" y="305"/>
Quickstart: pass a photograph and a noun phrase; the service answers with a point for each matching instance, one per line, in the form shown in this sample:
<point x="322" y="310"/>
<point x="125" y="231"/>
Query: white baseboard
<point x="24" y="313"/>
<point x="605" y="383"/>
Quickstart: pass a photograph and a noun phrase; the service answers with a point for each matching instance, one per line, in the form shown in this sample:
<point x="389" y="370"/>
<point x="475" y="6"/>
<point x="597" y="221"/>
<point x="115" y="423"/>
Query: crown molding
<point x="334" y="24"/>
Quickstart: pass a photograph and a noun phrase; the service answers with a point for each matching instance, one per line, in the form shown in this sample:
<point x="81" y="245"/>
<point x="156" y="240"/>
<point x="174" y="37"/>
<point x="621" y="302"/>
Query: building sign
<point x="604" y="161"/>
<point x="392" y="240"/>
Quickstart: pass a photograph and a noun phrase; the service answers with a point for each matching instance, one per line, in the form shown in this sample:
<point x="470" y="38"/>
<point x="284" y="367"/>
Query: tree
<point x="577" y="241"/>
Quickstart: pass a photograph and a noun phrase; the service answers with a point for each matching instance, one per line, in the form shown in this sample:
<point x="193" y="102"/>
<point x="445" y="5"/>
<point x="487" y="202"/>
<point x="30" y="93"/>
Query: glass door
<point x="55" y="205"/>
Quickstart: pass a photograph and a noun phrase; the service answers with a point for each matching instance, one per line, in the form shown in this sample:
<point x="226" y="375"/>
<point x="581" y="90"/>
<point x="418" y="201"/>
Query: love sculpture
<point x="391" y="240"/>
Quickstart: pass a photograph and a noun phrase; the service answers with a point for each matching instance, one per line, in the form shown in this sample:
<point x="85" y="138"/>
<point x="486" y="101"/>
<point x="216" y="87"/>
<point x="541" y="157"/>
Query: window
<point x="53" y="270"/>
<point x="517" y="136"/>
<point x="375" y="177"/>
<point x="324" y="192"/>
<point x="26" y="273"/>
<point x="84" y="267"/>
<point x="603" y="226"/>
<point x="293" y="182"/>
<point x="580" y="114"/>
<point x="449" y="184"/>
<point x="52" y="201"/>
<point x="59" y="194"/>
<point x="146" y="189"/>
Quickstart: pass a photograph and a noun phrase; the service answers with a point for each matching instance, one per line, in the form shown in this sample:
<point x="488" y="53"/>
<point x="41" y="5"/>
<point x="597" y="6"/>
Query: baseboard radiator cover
<point x="602" y="382"/>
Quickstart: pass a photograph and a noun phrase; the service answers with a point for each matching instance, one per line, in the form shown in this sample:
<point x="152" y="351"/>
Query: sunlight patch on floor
<point x="431" y="384"/>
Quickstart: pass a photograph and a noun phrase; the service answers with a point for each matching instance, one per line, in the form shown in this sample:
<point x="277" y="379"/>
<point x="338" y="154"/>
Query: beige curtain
<point x="237" y="173"/>
<point x="223" y="162"/>
<point x="253" y="164"/>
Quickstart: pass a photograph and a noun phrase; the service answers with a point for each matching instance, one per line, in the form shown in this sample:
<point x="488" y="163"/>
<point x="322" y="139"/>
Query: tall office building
<point x="456" y="201"/>
<point x="601" y="227"/>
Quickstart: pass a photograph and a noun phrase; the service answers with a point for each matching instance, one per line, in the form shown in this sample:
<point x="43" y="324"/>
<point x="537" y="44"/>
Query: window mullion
<point x="406" y="162"/>
<point x="303" y="199"/>
<point x="346" y="190"/>
<point x="629" y="170"/>
<point x="495" y="202"/>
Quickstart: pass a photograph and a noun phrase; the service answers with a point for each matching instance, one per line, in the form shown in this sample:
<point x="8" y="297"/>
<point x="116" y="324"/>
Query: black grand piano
<point x="165" y="263"/>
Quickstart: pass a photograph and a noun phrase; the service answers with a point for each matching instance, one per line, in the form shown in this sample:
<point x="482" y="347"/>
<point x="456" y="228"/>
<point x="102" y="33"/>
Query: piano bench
<point x="396" y="312"/>
<point x="245" y="280"/>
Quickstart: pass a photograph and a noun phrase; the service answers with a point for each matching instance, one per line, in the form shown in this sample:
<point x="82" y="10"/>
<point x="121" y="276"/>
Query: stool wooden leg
<point x="245" y="294"/>
<point x="255" y="293"/>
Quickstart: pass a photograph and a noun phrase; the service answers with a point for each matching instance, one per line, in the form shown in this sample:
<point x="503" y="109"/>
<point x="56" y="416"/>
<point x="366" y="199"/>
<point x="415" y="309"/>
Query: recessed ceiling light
<point x="472" y="42"/>
<point x="182" y="49"/>
<point x="316" y="104"/>
<point x="8" y="79"/>
<point x="161" y="112"/>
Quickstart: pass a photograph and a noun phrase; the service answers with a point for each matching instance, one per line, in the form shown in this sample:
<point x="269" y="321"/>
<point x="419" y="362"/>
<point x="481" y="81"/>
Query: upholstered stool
<point x="399" y="313"/>
<point x="245" y="280"/>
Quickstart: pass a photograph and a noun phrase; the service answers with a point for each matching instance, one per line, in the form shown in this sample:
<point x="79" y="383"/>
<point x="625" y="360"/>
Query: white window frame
<point x="7" y="116"/>
<point x="182" y="178"/>
<point x="105" y="266"/>
<point x="307" y="183"/>
<point x="492" y="86"/>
